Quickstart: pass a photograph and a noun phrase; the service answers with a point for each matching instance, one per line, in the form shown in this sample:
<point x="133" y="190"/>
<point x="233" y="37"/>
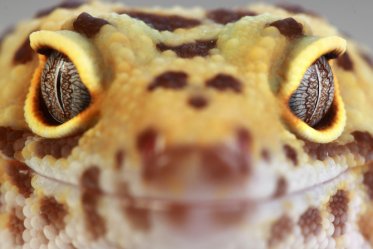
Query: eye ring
<point x="306" y="55"/>
<point x="79" y="54"/>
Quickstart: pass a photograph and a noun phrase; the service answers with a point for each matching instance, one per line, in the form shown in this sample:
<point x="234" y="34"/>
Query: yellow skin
<point x="131" y="171"/>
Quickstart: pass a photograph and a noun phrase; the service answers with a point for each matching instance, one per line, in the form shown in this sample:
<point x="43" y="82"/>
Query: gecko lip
<point x="160" y="203"/>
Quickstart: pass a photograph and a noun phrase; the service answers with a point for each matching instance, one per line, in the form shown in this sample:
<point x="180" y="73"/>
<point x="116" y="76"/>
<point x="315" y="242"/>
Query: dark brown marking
<point x="53" y="212"/>
<point x="16" y="225"/>
<point x="120" y="157"/>
<point x="281" y="188"/>
<point x="12" y="141"/>
<point x="138" y="217"/>
<point x="178" y="214"/>
<point x="58" y="148"/>
<point x="169" y="80"/>
<point x="190" y="50"/>
<point x="291" y="154"/>
<point x="296" y="9"/>
<point x="225" y="16"/>
<point x="147" y="141"/>
<point x="217" y="163"/>
<point x="338" y="205"/>
<point x="310" y="222"/>
<point x="344" y="61"/>
<point x="266" y="155"/>
<point x="280" y="229"/>
<point x="24" y="54"/>
<point x="20" y="175"/>
<point x="88" y="25"/>
<point x="198" y="102"/>
<point x="91" y="193"/>
<point x="362" y="146"/>
<point x="365" y="223"/>
<point x="289" y="27"/>
<point x="164" y="22"/>
<point x="69" y="4"/>
<point x="233" y="215"/>
<point x="223" y="82"/>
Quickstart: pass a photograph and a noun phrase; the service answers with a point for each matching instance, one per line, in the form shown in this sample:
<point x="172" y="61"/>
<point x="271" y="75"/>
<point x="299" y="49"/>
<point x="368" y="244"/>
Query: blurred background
<point x="352" y="17"/>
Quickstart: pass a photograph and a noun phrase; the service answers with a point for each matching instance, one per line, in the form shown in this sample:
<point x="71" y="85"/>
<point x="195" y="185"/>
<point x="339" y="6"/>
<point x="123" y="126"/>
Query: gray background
<point x="352" y="17"/>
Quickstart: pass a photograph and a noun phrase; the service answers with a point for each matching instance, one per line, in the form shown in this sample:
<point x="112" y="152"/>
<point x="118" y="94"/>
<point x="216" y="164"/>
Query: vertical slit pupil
<point x="315" y="94"/>
<point x="62" y="92"/>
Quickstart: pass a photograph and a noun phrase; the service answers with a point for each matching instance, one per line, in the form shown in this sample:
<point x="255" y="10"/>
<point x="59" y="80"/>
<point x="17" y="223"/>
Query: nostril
<point x="198" y="102"/>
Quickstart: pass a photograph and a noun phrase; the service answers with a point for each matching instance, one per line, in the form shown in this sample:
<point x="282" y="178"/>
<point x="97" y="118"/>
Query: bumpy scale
<point x="184" y="133"/>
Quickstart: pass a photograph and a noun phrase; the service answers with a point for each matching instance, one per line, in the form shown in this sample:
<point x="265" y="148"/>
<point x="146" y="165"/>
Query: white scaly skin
<point x="143" y="168"/>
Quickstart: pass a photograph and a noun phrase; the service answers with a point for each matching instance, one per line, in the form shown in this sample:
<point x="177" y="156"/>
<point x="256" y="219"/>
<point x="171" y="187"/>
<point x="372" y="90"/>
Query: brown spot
<point x="67" y="4"/>
<point x="53" y="212"/>
<point x="225" y="16"/>
<point x="120" y="157"/>
<point x="296" y="9"/>
<point x="12" y="141"/>
<point x="289" y="27"/>
<point x="310" y="222"/>
<point x="178" y="213"/>
<point x="361" y="146"/>
<point x="58" y="148"/>
<point x="281" y="188"/>
<point x="138" y="217"/>
<point x="280" y="230"/>
<point x="190" y="50"/>
<point x="24" y="54"/>
<point x="198" y="102"/>
<point x="244" y="139"/>
<point x="16" y="225"/>
<point x="291" y="154"/>
<point x="88" y="25"/>
<point x="20" y="175"/>
<point x="147" y="141"/>
<point x="91" y="193"/>
<point x="345" y="62"/>
<point x="169" y="80"/>
<point x="164" y="22"/>
<point x="266" y="155"/>
<point x="338" y="205"/>
<point x="217" y="164"/>
<point x="223" y="82"/>
<point x="367" y="58"/>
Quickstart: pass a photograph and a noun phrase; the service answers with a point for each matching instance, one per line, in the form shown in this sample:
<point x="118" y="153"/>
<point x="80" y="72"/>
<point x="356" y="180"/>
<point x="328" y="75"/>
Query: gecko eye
<point x="314" y="96"/>
<point x="312" y="104"/>
<point x="63" y="93"/>
<point x="67" y="86"/>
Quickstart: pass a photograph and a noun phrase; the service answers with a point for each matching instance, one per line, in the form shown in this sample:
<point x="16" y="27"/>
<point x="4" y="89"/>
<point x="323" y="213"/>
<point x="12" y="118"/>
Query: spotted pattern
<point x="280" y="229"/>
<point x="223" y="82"/>
<point x="288" y="27"/>
<point x="20" y="176"/>
<point x="16" y="225"/>
<point x="91" y="193"/>
<point x="190" y="50"/>
<point x="12" y="141"/>
<point x="310" y="222"/>
<point x="164" y="22"/>
<point x="344" y="61"/>
<point x="291" y="154"/>
<point x="58" y="148"/>
<point x="338" y="205"/>
<point x="88" y="25"/>
<point x="225" y="16"/>
<point x="53" y="212"/>
<point x="169" y="80"/>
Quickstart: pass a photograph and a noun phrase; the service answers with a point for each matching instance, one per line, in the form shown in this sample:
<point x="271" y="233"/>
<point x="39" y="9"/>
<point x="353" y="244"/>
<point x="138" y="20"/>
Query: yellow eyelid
<point x="79" y="50"/>
<point x="87" y="61"/>
<point x="304" y="54"/>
